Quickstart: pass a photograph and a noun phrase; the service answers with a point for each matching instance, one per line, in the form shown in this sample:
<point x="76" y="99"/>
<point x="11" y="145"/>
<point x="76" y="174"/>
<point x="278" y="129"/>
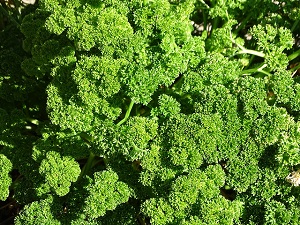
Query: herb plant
<point x="147" y="112"/>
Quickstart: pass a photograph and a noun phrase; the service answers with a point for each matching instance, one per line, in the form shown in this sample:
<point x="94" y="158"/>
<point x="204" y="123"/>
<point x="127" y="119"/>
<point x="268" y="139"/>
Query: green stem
<point x="214" y="24"/>
<point x="204" y="14"/>
<point x="250" y="61"/>
<point x="88" y="138"/>
<point x="204" y="19"/>
<point x="295" y="68"/>
<point x="127" y="114"/>
<point x="90" y="162"/>
<point x="295" y="25"/>
<point x="137" y="111"/>
<point x="203" y="2"/>
<point x="87" y="167"/>
<point x="215" y="20"/>
<point x="294" y="55"/>
<point x="9" y="16"/>
<point x="258" y="69"/>
<point x="252" y="57"/>
<point x="251" y="52"/>
<point x="245" y="50"/>
<point x="243" y="23"/>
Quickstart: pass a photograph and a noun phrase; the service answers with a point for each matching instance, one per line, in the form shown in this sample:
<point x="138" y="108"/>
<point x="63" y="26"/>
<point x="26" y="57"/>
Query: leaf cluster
<point x="151" y="112"/>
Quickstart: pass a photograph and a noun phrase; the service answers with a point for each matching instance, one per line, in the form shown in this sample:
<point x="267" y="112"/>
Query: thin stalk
<point x="204" y="19"/>
<point x="215" y="20"/>
<point x="251" y="60"/>
<point x="91" y="160"/>
<point x="294" y="55"/>
<point x="203" y="2"/>
<point x="258" y="69"/>
<point x="245" y="50"/>
<point x="243" y="23"/>
<point x="127" y="114"/>
<point x="87" y="166"/>
<point x="251" y="52"/>
<point x="294" y="69"/>
<point x="9" y="16"/>
<point x="295" y="25"/>
<point x="204" y="15"/>
<point x="214" y="24"/>
<point x="249" y="71"/>
<point x="137" y="111"/>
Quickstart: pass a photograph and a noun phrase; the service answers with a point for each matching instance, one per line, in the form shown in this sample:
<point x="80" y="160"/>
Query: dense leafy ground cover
<point x="150" y="112"/>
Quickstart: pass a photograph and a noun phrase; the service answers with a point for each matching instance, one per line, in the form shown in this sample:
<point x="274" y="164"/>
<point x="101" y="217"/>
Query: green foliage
<point x="106" y="193"/>
<point x="288" y="151"/>
<point x="45" y="215"/>
<point x="273" y="41"/>
<point x="168" y="106"/>
<point x="147" y="112"/>
<point x="194" y="198"/>
<point x="59" y="172"/>
<point x="5" y="179"/>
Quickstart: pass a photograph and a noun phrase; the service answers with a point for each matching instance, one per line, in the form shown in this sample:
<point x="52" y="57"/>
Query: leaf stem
<point x="295" y="25"/>
<point x="251" y="52"/>
<point x="242" y="24"/>
<point x="295" y="69"/>
<point x="87" y="166"/>
<point x="9" y="16"/>
<point x="255" y="70"/>
<point x="203" y="2"/>
<point x="245" y="50"/>
<point x="127" y="114"/>
<point x="294" y="55"/>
